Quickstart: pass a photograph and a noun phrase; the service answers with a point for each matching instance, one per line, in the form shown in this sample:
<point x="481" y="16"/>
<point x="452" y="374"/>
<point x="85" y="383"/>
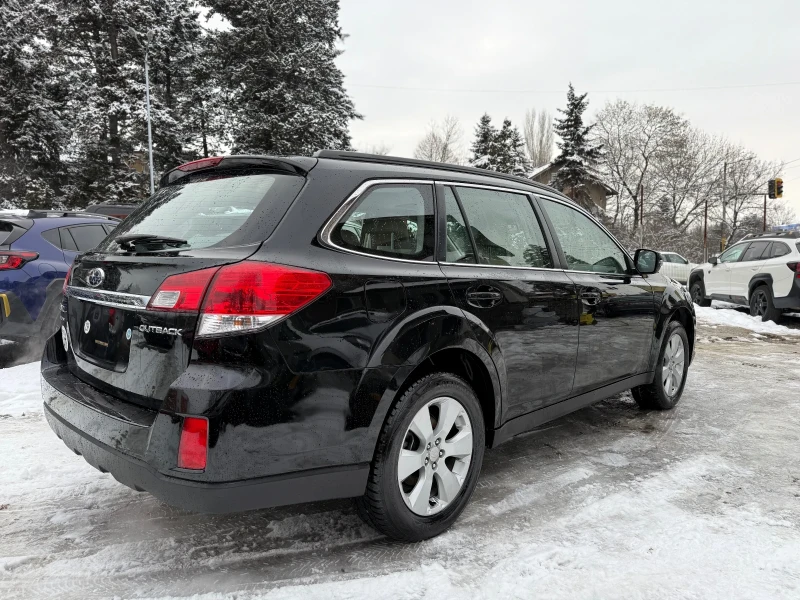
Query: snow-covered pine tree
<point x="578" y="155"/>
<point x="484" y="148"/>
<point x="510" y="150"/>
<point x="176" y="58"/>
<point x="101" y="45"/>
<point x="32" y="132"/>
<point x="287" y="95"/>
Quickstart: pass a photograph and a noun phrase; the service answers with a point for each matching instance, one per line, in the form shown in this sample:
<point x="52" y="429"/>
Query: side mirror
<point x="647" y="262"/>
<point x="713" y="260"/>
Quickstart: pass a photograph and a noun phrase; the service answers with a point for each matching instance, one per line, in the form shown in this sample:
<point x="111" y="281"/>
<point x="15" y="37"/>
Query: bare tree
<point x="442" y="142"/>
<point x="539" y="137"/>
<point x="380" y="148"/>
<point x="634" y="138"/>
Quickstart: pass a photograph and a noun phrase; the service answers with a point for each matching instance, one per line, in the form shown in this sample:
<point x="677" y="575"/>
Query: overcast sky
<point x="502" y="57"/>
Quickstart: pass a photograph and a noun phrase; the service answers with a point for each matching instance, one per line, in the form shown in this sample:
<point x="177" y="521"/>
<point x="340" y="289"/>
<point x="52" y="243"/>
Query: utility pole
<point x="641" y="215"/>
<point x="764" y="229"/>
<point x="705" y="231"/>
<point x="724" y="205"/>
<point x="149" y="127"/>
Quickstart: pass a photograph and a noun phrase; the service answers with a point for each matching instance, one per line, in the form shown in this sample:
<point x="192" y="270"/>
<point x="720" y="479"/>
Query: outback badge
<point x="156" y="329"/>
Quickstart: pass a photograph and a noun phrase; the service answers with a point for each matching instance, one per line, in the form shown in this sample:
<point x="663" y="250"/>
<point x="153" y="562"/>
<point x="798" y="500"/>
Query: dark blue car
<point x="36" y="250"/>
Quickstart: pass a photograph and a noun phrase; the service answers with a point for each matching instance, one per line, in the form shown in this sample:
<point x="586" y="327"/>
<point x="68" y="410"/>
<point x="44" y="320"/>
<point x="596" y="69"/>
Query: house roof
<point x="552" y="165"/>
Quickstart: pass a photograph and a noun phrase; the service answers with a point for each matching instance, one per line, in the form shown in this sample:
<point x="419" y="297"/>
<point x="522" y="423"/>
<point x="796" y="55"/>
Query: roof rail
<point x="423" y="164"/>
<point x="41" y="214"/>
<point x="792" y="235"/>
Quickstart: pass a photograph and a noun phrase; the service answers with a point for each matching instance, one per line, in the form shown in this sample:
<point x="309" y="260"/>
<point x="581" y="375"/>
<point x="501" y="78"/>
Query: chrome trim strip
<point x="485" y="266"/>
<point x="482" y="186"/>
<point x="327" y="230"/>
<point x="112" y="299"/>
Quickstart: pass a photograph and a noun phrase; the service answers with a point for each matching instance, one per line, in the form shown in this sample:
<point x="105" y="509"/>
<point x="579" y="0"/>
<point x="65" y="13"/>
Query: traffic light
<point x="771" y="189"/>
<point x="779" y="188"/>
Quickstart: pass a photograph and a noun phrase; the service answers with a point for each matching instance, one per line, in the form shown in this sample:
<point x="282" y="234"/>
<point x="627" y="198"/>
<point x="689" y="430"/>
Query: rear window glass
<point x="214" y="209"/>
<point x="779" y="249"/>
<point x="51" y="235"/>
<point x="394" y="220"/>
<point x="5" y="231"/>
<point x="87" y="236"/>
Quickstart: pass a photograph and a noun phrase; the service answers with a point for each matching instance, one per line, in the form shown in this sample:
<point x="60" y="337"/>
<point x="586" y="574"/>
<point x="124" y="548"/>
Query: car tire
<point x="761" y="304"/>
<point x="411" y="509"/>
<point x="698" y="293"/>
<point x="670" y="373"/>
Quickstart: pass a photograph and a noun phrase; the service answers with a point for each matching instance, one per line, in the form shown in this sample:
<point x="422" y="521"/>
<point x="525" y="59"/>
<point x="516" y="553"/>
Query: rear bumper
<point x="74" y="415"/>
<point x="15" y="322"/>
<point x="790" y="301"/>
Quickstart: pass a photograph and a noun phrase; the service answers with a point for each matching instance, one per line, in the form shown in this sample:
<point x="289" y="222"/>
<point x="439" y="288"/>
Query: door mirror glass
<point x="647" y="261"/>
<point x="713" y="260"/>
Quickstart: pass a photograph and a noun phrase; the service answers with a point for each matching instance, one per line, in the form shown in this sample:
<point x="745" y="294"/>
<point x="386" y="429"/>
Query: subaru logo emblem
<point x="95" y="277"/>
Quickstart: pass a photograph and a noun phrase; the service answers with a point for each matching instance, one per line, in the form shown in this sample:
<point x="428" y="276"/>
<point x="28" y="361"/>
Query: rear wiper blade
<point x="147" y="241"/>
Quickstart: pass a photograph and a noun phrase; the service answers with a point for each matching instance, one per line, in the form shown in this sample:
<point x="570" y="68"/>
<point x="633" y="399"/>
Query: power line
<point x="790" y="162"/>
<point x="499" y="91"/>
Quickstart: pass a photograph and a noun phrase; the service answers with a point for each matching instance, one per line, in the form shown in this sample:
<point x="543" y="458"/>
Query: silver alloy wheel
<point x="435" y="457"/>
<point x="672" y="365"/>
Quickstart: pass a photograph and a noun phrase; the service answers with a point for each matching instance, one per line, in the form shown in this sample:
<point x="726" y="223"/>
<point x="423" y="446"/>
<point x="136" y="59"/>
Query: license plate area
<point x="103" y="335"/>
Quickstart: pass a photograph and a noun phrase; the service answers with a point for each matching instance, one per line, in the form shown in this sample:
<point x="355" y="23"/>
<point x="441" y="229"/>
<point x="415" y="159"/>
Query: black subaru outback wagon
<point x="266" y="331"/>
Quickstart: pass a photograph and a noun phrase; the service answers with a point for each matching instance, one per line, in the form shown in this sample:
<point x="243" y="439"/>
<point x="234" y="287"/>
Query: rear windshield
<point x="215" y="209"/>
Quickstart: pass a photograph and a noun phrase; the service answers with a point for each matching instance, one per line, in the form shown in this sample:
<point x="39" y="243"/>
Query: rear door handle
<point x="485" y="298"/>
<point x="591" y="297"/>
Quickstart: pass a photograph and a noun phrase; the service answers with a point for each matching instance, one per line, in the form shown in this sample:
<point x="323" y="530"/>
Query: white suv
<point x="675" y="266"/>
<point x="762" y="272"/>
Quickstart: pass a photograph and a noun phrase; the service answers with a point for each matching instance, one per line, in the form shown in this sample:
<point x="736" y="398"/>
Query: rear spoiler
<point x="294" y="165"/>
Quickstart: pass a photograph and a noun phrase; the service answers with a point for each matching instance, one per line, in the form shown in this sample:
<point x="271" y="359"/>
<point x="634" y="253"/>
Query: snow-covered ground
<point x="722" y="315"/>
<point x="610" y="502"/>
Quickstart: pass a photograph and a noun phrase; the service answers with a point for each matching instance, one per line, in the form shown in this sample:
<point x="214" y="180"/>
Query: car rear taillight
<point x="15" y="260"/>
<point x="250" y="295"/>
<point x="182" y="292"/>
<point x="795" y="266"/>
<point x="203" y="163"/>
<point x="66" y="280"/>
<point x="239" y="297"/>
<point x="193" y="447"/>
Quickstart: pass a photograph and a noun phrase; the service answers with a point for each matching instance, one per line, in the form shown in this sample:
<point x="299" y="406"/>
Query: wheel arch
<point x="696" y="275"/>
<point x="460" y="354"/>
<point x="757" y="281"/>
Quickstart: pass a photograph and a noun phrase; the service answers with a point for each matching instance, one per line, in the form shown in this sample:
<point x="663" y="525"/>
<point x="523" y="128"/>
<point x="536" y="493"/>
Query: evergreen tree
<point x="578" y="155"/>
<point x="510" y="150"/>
<point x="277" y="63"/>
<point x="103" y="44"/>
<point x="484" y="149"/>
<point x="32" y="130"/>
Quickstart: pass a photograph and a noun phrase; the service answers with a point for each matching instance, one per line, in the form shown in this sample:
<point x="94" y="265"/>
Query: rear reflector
<point x="193" y="448"/>
<point x="15" y="260"/>
<point x="203" y="163"/>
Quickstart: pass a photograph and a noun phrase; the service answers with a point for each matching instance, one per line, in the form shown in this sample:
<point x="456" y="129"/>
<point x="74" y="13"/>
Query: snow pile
<point x="734" y="318"/>
<point x="20" y="391"/>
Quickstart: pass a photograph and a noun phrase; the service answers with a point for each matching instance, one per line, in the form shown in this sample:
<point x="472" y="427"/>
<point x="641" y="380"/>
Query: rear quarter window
<point x="214" y="209"/>
<point x="5" y="231"/>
